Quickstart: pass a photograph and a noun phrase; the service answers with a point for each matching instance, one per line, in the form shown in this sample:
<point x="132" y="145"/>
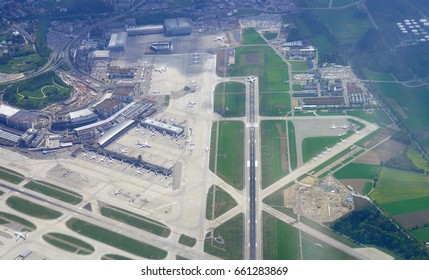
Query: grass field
<point x="230" y="155"/>
<point x="367" y="188"/>
<point x="116" y="240"/>
<point x="312" y="146"/>
<point x="273" y="151"/>
<point x="270" y="35"/>
<point x="292" y="145"/>
<point x="54" y="192"/>
<point x="406" y="206"/>
<point x="377" y="76"/>
<point x="396" y="185"/>
<point x="230" y="87"/>
<point x="347" y="25"/>
<point x="274" y="104"/>
<point x="221" y="201"/>
<point x="421" y="234"/>
<point x="329" y="113"/>
<point x="340" y="3"/>
<point x="299" y="66"/>
<point x="263" y="62"/>
<point x="230" y="105"/>
<point x="231" y="233"/>
<point x="11" y="176"/>
<point x="281" y="241"/>
<point x="357" y="171"/>
<point x="32" y="209"/>
<point x="1" y="193"/>
<point x="26" y="225"/>
<point x="68" y="243"/>
<point x="314" y="249"/>
<point x="213" y="146"/>
<point x="374" y="116"/>
<point x="417" y="159"/>
<point x="251" y="37"/>
<point x="20" y="64"/>
<point x="187" y="240"/>
<point x="114" y="257"/>
<point x="135" y="220"/>
<point x="276" y="201"/>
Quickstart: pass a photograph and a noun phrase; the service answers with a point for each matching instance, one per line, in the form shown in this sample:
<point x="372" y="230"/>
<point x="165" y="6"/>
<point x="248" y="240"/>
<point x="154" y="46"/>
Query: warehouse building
<point x="6" y="112"/>
<point x="177" y="26"/>
<point x="82" y="117"/>
<point x="100" y="54"/>
<point x="124" y="93"/>
<point x="145" y="30"/>
<point x="108" y="107"/>
<point x="117" y="41"/>
<point x="162" y="47"/>
<point x="22" y="120"/>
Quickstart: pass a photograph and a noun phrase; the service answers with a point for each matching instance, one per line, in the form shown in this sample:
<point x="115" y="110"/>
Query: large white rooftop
<point x="7" y="110"/>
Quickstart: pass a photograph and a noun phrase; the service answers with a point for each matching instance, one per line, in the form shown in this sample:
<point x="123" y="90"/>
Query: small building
<point x="117" y="41"/>
<point x="162" y="47"/>
<point x="22" y="120"/>
<point x="177" y="26"/>
<point x="124" y="93"/>
<point x="82" y="117"/>
<point x="100" y="54"/>
<point x="145" y="30"/>
<point x="108" y="107"/>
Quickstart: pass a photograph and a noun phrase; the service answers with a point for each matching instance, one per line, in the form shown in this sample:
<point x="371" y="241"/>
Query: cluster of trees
<point x="371" y="227"/>
<point x="52" y="94"/>
<point x="403" y="162"/>
<point x="93" y="6"/>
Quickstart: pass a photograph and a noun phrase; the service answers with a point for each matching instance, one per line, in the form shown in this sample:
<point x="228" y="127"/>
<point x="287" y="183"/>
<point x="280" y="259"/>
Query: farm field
<point x="116" y="240"/>
<point x="281" y="240"/>
<point x="230" y="152"/>
<point x="218" y="202"/>
<point x="397" y="185"/>
<point x="415" y="157"/>
<point x="54" y="192"/>
<point x="421" y="234"/>
<point x="378" y="117"/>
<point x="382" y="153"/>
<point x="135" y="220"/>
<point x="251" y="37"/>
<point x="68" y="243"/>
<point x="32" y="209"/>
<point x="187" y="240"/>
<point x="10" y="218"/>
<point x="231" y="233"/>
<point x="273" y="151"/>
<point x="406" y="206"/>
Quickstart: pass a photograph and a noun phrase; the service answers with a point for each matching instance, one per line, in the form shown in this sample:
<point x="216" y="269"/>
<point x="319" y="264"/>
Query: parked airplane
<point x="219" y="38"/>
<point x="101" y="159"/>
<point x="328" y="149"/>
<point x="20" y="234"/>
<point x="192" y="82"/>
<point x="160" y="69"/>
<point x="138" y="172"/>
<point x="357" y="131"/>
<point x="117" y="192"/>
<point x="143" y="145"/>
<point x="84" y="154"/>
<point x="111" y="160"/>
<point x="333" y="126"/>
<point x="207" y="149"/>
<point x="250" y="79"/>
<point x="344" y="126"/>
<point x="124" y="150"/>
<point x="94" y="156"/>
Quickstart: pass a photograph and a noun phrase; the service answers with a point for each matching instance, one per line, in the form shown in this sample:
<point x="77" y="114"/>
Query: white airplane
<point x="117" y="192"/>
<point x="328" y="149"/>
<point x="250" y="79"/>
<point x="333" y="126"/>
<point x="315" y="158"/>
<point x="138" y="172"/>
<point x="124" y="150"/>
<point x="94" y="156"/>
<point x="101" y="159"/>
<point x="84" y="154"/>
<point x="160" y="69"/>
<point x="192" y="82"/>
<point x="191" y="147"/>
<point x="20" y="234"/>
<point x="111" y="160"/>
<point x="143" y="145"/>
<point x="343" y="140"/>
<point x="191" y="103"/>
<point x="219" y="38"/>
<point x="207" y="149"/>
<point x="344" y="126"/>
<point x="357" y="131"/>
<point x="137" y="128"/>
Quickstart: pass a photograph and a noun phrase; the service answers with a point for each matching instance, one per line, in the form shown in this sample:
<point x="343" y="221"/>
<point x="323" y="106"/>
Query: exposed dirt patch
<point x="413" y="219"/>
<point x="283" y="146"/>
<point x="382" y="153"/>
<point x="377" y="138"/>
<point x="356" y="184"/>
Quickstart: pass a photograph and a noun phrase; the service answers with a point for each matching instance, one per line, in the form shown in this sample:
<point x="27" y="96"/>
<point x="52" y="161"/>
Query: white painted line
<point x="248" y="163"/>
<point x="256" y="163"/>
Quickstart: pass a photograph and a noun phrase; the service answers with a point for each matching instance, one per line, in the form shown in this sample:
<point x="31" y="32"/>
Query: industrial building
<point x="7" y="138"/>
<point x="22" y="120"/>
<point x="108" y="107"/>
<point x="145" y="30"/>
<point x="7" y="112"/>
<point x="100" y="54"/>
<point x="163" y="127"/>
<point x="162" y="47"/>
<point x="82" y="117"/>
<point x="117" y="41"/>
<point x="325" y="101"/>
<point x="177" y="26"/>
<point x="124" y="93"/>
